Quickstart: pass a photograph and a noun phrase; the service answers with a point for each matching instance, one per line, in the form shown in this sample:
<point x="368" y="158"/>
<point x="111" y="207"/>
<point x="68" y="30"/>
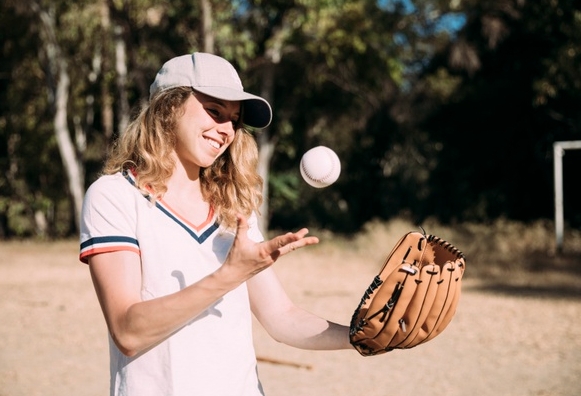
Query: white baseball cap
<point x="216" y="77"/>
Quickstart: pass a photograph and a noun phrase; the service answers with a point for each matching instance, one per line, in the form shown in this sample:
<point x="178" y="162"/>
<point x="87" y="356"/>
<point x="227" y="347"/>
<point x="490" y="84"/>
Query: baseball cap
<point x="213" y="76"/>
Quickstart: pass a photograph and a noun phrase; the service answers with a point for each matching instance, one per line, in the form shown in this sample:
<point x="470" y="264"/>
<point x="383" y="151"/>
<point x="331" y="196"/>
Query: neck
<point x="184" y="182"/>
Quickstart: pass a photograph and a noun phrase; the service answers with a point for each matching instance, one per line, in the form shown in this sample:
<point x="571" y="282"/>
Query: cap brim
<point x="256" y="113"/>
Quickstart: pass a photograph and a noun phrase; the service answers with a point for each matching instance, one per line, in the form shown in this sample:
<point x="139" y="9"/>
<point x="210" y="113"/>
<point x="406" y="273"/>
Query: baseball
<point x="320" y="167"/>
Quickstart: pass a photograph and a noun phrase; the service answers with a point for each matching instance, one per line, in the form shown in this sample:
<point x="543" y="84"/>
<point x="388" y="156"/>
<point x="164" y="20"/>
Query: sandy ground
<point x="501" y="342"/>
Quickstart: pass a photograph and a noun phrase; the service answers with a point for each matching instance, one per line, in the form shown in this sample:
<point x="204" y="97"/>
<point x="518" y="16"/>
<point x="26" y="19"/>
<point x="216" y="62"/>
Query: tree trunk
<point x="106" y="99"/>
<point x="266" y="147"/>
<point x="121" y="72"/>
<point x="207" y="30"/>
<point x="265" y="152"/>
<point x="73" y="167"/>
<point x="58" y="88"/>
<point x="266" y="142"/>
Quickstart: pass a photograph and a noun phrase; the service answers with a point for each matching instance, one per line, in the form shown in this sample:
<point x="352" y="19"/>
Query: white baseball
<point x="320" y="167"/>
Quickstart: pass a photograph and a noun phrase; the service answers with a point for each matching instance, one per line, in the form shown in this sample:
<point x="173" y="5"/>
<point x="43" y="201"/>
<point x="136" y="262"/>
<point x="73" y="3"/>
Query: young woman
<point x="171" y="237"/>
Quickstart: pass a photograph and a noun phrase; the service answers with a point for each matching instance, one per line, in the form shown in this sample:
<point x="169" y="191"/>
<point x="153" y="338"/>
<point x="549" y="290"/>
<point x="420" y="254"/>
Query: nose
<point x="226" y="128"/>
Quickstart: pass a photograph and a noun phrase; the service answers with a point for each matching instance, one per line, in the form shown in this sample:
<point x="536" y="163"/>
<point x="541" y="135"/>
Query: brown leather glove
<point x="412" y="299"/>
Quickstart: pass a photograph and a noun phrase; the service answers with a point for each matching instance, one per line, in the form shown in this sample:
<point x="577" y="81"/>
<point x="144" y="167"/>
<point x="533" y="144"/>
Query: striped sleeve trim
<point x="107" y="244"/>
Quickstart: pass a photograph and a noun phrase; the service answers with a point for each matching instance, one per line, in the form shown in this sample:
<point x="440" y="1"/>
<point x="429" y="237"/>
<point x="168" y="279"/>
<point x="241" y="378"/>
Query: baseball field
<point x="517" y="331"/>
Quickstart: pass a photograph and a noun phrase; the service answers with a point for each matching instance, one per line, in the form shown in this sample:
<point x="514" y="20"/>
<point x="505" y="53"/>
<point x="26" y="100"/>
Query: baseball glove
<point x="412" y="299"/>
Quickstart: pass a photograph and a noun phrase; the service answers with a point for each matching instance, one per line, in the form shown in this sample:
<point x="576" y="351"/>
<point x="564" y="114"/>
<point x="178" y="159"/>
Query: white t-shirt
<point x="213" y="355"/>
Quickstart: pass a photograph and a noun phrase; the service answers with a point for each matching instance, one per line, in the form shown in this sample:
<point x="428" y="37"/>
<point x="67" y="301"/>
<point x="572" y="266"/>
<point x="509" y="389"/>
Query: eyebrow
<point x="221" y="102"/>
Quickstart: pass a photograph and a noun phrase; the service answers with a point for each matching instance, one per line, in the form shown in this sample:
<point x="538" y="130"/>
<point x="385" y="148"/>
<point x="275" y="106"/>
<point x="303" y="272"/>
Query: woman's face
<point x="205" y="130"/>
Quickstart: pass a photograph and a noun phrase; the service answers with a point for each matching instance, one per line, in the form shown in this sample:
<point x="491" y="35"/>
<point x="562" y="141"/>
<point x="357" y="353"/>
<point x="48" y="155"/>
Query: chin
<point x="207" y="163"/>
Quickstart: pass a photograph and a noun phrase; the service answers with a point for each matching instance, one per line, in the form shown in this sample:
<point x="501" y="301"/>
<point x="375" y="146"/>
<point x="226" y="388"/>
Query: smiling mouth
<point x="213" y="143"/>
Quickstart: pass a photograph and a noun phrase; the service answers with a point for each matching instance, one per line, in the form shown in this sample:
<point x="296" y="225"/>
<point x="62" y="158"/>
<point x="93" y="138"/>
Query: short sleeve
<point x="108" y="217"/>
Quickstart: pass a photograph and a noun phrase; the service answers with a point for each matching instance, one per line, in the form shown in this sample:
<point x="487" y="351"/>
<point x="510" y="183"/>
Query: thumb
<point x="241" y="224"/>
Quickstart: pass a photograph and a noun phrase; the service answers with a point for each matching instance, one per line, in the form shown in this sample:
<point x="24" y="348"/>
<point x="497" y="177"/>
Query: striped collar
<point x="199" y="232"/>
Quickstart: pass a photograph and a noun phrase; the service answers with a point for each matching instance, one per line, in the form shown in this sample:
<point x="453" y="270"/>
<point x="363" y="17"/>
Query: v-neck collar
<point x="199" y="232"/>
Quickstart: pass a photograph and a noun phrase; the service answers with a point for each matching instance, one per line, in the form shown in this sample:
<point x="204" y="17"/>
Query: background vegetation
<point x="441" y="111"/>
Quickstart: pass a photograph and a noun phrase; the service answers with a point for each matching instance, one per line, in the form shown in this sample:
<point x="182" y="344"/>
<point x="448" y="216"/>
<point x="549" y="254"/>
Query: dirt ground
<point x="502" y="341"/>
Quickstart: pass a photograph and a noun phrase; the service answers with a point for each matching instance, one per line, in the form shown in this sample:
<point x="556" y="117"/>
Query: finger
<point x="291" y="247"/>
<point x="291" y="237"/>
<point x="290" y="242"/>
<point x="279" y="242"/>
<point x="302" y="232"/>
<point x="241" y="224"/>
<point x="300" y="244"/>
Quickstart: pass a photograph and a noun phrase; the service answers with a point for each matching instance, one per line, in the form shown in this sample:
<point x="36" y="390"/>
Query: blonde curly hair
<point x="230" y="185"/>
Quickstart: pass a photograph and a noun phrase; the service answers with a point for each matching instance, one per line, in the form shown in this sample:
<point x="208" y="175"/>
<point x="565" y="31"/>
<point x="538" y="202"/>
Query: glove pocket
<point x="444" y="304"/>
<point x="418" y="307"/>
<point x="377" y="322"/>
<point x="452" y="274"/>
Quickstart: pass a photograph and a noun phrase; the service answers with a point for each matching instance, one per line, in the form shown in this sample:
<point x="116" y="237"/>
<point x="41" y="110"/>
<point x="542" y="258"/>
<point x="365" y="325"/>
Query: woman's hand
<point x="247" y="258"/>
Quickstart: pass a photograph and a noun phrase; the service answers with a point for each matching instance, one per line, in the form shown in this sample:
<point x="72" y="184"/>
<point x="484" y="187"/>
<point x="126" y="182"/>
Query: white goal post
<point x="558" y="153"/>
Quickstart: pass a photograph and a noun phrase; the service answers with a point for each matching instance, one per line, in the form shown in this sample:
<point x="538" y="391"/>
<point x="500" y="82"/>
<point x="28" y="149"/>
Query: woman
<point x="171" y="237"/>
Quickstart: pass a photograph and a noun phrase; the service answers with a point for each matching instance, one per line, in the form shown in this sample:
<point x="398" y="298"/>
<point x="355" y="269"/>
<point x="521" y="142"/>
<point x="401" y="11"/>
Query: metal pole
<point x="558" y="171"/>
<point x="558" y="152"/>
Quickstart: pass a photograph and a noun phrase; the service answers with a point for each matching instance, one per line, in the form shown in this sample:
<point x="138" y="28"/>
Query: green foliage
<point x="428" y="122"/>
<point x="285" y="195"/>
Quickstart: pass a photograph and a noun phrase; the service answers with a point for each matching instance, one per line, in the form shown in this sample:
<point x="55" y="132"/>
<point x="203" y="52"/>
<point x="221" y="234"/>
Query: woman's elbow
<point x="127" y="344"/>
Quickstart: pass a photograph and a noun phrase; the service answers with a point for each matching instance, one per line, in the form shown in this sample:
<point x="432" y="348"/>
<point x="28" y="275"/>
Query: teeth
<point x="213" y="143"/>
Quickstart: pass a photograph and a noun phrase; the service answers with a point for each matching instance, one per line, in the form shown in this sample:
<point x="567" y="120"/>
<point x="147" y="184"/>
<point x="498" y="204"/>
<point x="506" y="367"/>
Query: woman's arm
<point x="137" y="325"/>
<point x="288" y="323"/>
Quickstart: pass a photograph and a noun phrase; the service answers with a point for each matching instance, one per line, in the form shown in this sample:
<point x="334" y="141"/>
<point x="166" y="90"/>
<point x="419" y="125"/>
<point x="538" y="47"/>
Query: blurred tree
<point x="32" y="112"/>
<point x="56" y="68"/>
<point x="326" y="67"/>
<point x="436" y="108"/>
<point x="344" y="71"/>
<point x="515" y="68"/>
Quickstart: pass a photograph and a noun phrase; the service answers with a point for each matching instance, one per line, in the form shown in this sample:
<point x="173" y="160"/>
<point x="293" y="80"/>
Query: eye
<point x="221" y="117"/>
<point x="215" y="114"/>
<point x="222" y="112"/>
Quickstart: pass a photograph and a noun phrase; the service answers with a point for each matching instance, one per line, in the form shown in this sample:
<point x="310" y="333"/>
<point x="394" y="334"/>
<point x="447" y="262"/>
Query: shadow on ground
<point x="538" y="274"/>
